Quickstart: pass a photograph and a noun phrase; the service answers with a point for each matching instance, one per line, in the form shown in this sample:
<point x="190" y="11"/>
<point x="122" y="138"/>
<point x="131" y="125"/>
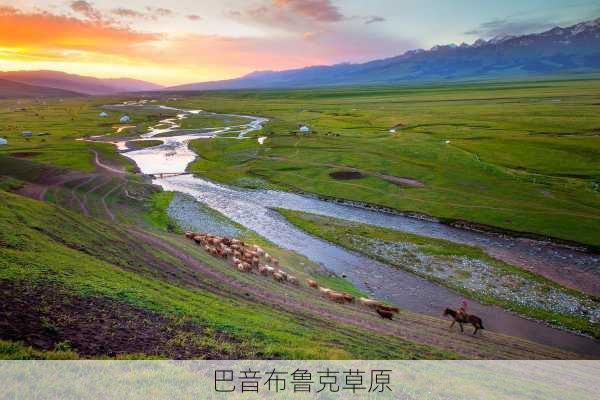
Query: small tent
<point x="103" y="114"/>
<point x="27" y="134"/>
<point x="3" y="141"/>
<point x="304" y="129"/>
<point x="125" y="119"/>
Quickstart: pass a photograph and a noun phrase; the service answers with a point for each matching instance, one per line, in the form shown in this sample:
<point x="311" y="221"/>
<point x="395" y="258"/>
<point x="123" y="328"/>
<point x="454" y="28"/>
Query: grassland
<point x="465" y="269"/>
<point x="101" y="257"/>
<point x="519" y="156"/>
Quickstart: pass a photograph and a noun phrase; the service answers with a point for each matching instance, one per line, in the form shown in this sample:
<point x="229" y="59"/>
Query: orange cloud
<point x="48" y="31"/>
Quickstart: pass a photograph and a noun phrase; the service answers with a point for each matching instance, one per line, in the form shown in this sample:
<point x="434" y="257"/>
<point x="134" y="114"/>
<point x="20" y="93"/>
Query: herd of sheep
<point x="248" y="258"/>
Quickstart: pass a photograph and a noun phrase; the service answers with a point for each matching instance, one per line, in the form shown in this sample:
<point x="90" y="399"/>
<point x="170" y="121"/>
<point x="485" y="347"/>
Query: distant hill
<point x="575" y="49"/>
<point x="10" y="90"/>
<point x="78" y="83"/>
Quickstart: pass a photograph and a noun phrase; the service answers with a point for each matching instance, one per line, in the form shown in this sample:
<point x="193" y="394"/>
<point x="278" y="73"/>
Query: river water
<point x="253" y="209"/>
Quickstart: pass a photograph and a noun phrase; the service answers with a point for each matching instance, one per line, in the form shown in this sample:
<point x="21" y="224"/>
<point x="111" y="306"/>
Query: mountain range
<point x="11" y="89"/>
<point x="570" y="50"/>
<point x="574" y="49"/>
<point x="83" y="85"/>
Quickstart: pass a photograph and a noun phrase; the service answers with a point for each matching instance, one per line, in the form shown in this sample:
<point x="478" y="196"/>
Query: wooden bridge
<point x="161" y="175"/>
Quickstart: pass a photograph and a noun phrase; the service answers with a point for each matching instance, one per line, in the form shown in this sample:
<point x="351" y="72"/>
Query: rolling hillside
<point x="77" y="83"/>
<point x="13" y="90"/>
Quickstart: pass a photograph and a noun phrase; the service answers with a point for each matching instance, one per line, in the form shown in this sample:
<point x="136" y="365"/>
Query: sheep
<point x="278" y="277"/>
<point x="293" y="280"/>
<point x="263" y="270"/>
<point x="283" y="273"/>
<point x="384" y="313"/>
<point x="348" y="297"/>
<point x="369" y="302"/>
<point x="312" y="283"/>
<point x="395" y="310"/>
<point x="336" y="297"/>
<point x="323" y="290"/>
<point x="268" y="258"/>
<point x="270" y="270"/>
<point x="190" y="235"/>
<point x="246" y="267"/>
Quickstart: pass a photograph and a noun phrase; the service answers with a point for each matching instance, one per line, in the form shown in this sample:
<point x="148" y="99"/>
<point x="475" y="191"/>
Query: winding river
<point x="253" y="209"/>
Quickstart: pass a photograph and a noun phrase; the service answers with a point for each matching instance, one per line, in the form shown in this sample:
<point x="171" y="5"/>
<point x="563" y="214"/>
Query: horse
<point x="465" y="319"/>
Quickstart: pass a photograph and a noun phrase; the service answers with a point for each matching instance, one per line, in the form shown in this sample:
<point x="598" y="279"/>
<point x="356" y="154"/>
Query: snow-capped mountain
<point x="574" y="49"/>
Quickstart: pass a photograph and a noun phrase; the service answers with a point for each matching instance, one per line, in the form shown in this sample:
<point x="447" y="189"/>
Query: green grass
<point x="341" y="232"/>
<point x="41" y="244"/>
<point x="17" y="351"/>
<point x="516" y="160"/>
<point x="157" y="215"/>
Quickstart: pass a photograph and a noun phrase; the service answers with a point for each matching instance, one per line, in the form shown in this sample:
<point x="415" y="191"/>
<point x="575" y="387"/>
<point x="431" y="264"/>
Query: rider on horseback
<point x="461" y="314"/>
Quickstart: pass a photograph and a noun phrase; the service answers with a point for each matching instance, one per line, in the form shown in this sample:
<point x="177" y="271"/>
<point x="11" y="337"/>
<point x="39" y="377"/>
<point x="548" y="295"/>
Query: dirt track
<point x="409" y="326"/>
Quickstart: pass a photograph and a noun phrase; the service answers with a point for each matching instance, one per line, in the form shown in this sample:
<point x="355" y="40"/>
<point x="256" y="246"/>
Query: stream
<point x="253" y="210"/>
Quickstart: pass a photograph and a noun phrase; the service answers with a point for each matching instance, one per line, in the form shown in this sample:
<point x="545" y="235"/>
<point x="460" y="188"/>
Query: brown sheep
<point x="395" y="310"/>
<point x="312" y="283"/>
<point x="369" y="302"/>
<point x="198" y="239"/>
<point x="190" y="234"/>
<point x="384" y="313"/>
<point x="335" y="296"/>
<point x="246" y="267"/>
<point x="348" y="297"/>
<point x="263" y="270"/>
<point x="283" y="273"/>
<point x="293" y="280"/>
<point x="278" y="277"/>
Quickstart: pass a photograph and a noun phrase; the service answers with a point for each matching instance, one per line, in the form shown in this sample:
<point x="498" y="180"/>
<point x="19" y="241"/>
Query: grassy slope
<point x="342" y="232"/>
<point x="40" y="243"/>
<point x="517" y="158"/>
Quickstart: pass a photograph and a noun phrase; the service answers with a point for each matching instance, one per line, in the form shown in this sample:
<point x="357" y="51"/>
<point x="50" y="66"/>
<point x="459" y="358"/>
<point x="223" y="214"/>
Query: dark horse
<point x="464" y="319"/>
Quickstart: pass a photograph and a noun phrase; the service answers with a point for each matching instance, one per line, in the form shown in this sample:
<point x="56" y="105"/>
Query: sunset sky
<point x="193" y="41"/>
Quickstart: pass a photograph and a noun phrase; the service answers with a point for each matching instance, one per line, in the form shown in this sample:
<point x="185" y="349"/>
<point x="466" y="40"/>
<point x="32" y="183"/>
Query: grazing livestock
<point x="263" y="270"/>
<point x="384" y="313"/>
<point x="324" y="291"/>
<point x="335" y="296"/>
<point x="394" y="310"/>
<point x="270" y="270"/>
<point x="293" y="280"/>
<point x="464" y="319"/>
<point x="312" y="283"/>
<point x="283" y="273"/>
<point x="369" y="302"/>
<point x="348" y="297"/>
<point x="278" y="277"/>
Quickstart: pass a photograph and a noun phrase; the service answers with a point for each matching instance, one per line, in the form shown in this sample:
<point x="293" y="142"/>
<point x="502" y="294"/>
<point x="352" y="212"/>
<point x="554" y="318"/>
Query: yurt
<point x="103" y="114"/>
<point x="125" y="119"/>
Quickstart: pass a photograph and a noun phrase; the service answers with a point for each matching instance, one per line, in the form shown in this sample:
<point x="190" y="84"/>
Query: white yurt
<point x="103" y="114"/>
<point x="125" y="119"/>
<point x="304" y="129"/>
<point x="3" y="141"/>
